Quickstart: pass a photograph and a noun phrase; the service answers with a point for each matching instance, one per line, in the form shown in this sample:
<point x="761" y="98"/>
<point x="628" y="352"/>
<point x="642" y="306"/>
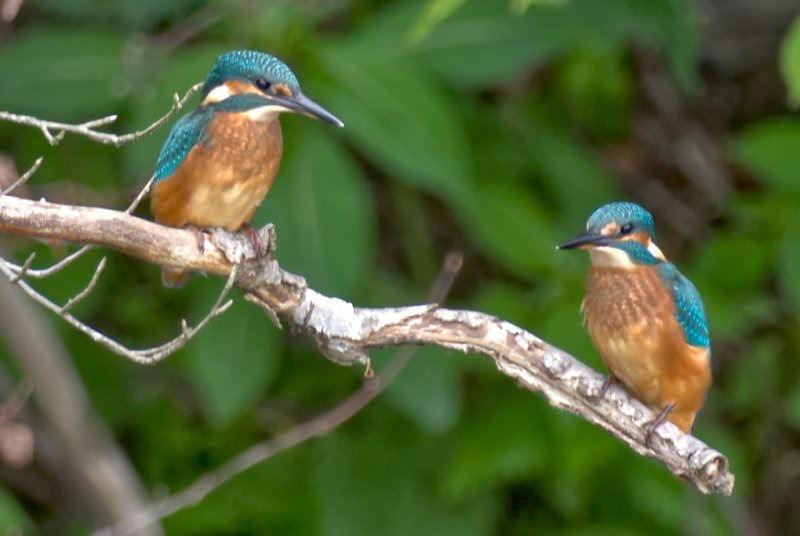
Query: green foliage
<point x="366" y="485"/>
<point x="790" y="64"/>
<point x="13" y="518"/>
<point x="232" y="361"/>
<point x="61" y="74"/>
<point x="428" y="390"/>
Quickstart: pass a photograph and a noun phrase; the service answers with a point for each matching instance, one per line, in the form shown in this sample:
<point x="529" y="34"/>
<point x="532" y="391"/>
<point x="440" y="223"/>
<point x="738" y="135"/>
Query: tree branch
<point x="344" y="333"/>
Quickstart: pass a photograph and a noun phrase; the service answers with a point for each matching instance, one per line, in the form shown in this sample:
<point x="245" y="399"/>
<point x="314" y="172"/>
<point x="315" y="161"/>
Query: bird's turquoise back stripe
<point x="185" y="134"/>
<point x="688" y="305"/>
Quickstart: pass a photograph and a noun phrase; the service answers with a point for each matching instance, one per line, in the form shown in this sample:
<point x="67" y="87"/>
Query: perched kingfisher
<point x="644" y="317"/>
<point x="220" y="159"/>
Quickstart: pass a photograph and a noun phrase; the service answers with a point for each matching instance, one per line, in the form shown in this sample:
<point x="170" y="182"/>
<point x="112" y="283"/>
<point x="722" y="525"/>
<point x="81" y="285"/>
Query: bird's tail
<point x="174" y="278"/>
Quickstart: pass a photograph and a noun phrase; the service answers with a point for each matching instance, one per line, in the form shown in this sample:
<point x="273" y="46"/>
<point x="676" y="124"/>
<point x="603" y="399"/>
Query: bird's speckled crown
<point x="248" y="65"/>
<point x="622" y="212"/>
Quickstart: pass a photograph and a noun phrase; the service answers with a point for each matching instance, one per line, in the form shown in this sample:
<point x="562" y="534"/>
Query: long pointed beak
<point x="585" y="240"/>
<point x="303" y="105"/>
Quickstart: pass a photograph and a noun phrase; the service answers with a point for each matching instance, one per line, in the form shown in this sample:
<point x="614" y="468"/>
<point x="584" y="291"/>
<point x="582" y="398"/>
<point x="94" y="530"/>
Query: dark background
<point x="488" y="127"/>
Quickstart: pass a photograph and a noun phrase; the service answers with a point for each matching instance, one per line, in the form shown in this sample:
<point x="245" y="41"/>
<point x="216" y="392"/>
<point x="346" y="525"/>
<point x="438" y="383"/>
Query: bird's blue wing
<point x="688" y="305"/>
<point x="185" y="134"/>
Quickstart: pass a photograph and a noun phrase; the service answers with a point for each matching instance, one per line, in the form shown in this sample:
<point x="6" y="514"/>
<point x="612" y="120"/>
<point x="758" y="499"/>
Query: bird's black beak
<point x="303" y="105"/>
<point x="585" y="240"/>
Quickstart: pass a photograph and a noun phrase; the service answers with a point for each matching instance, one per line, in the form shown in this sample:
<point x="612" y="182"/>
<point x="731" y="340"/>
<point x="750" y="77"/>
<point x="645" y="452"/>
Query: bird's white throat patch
<point x="265" y="113"/>
<point x="607" y="257"/>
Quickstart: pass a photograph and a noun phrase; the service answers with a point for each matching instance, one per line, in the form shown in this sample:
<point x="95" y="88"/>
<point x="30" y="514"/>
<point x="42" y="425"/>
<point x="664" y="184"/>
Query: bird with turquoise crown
<point x="644" y="317"/>
<point x="219" y="160"/>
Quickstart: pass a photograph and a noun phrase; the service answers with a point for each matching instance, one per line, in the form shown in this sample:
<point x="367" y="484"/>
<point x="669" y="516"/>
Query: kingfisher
<point x="219" y="160"/>
<point x="645" y="318"/>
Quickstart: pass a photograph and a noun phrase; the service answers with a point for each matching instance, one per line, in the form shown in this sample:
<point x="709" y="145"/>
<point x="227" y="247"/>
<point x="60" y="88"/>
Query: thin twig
<point x="25" y="271"/>
<point x="147" y="356"/>
<point x="77" y="298"/>
<point x="25" y="176"/>
<point x="87" y="129"/>
<point x="141" y="195"/>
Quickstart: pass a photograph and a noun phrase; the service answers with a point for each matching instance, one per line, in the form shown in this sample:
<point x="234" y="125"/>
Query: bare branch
<point x="87" y="129"/>
<point x="345" y="333"/>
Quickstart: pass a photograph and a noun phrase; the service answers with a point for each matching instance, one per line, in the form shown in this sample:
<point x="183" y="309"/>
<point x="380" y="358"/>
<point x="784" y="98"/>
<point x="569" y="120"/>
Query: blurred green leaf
<point x="382" y="482"/>
<point x="323" y="214"/>
<point x="400" y="117"/>
<point x="485" y="43"/>
<point x="141" y="14"/>
<point x="428" y="391"/>
<point x="596" y="86"/>
<point x="62" y="74"/>
<point x="789" y="261"/>
<point x="790" y="63"/>
<point x="13" y="519"/>
<point x="730" y="296"/>
<point x="512" y="227"/>
<point x="276" y="497"/>
<point x="434" y="12"/>
<point x="233" y="360"/>
<point x="509" y="438"/>
<point x="771" y="149"/>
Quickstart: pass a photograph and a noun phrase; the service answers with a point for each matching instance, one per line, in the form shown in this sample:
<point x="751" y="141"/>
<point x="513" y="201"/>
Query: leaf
<point x="486" y="43"/>
<point x="323" y="213"/>
<point x="400" y="117"/>
<point x="731" y="297"/>
<point x="771" y="149"/>
<point x="276" y="497"/>
<point x="13" y="519"/>
<point x="428" y="390"/>
<point x="233" y="360"/>
<point x="140" y="15"/>
<point x="61" y="75"/>
<point x="788" y="262"/>
<point x="434" y="12"/>
<point x="381" y="482"/>
<point x="512" y="227"/>
<point x="508" y="438"/>
<point x="790" y="63"/>
<point x="595" y="84"/>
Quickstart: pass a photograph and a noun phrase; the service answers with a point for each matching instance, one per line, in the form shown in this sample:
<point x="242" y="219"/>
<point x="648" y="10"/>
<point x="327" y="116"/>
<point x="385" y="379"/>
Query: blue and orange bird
<point x="219" y="160"/>
<point x="643" y="316"/>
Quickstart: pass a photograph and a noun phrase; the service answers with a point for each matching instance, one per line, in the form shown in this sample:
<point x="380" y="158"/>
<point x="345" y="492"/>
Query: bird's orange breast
<point x="631" y="320"/>
<point x="223" y="178"/>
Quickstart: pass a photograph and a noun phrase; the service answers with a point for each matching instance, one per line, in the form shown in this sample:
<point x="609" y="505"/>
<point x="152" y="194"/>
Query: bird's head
<point x="260" y="84"/>
<point x="620" y="235"/>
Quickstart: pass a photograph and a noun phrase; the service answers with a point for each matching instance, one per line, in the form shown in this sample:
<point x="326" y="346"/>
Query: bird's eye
<point x="262" y="84"/>
<point x="626" y="228"/>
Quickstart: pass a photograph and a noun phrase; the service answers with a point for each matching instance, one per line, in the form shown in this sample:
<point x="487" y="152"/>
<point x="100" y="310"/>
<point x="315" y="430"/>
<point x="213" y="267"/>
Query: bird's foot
<point x="650" y="427"/>
<point x="198" y="236"/>
<point x="607" y="383"/>
<point x="261" y="246"/>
